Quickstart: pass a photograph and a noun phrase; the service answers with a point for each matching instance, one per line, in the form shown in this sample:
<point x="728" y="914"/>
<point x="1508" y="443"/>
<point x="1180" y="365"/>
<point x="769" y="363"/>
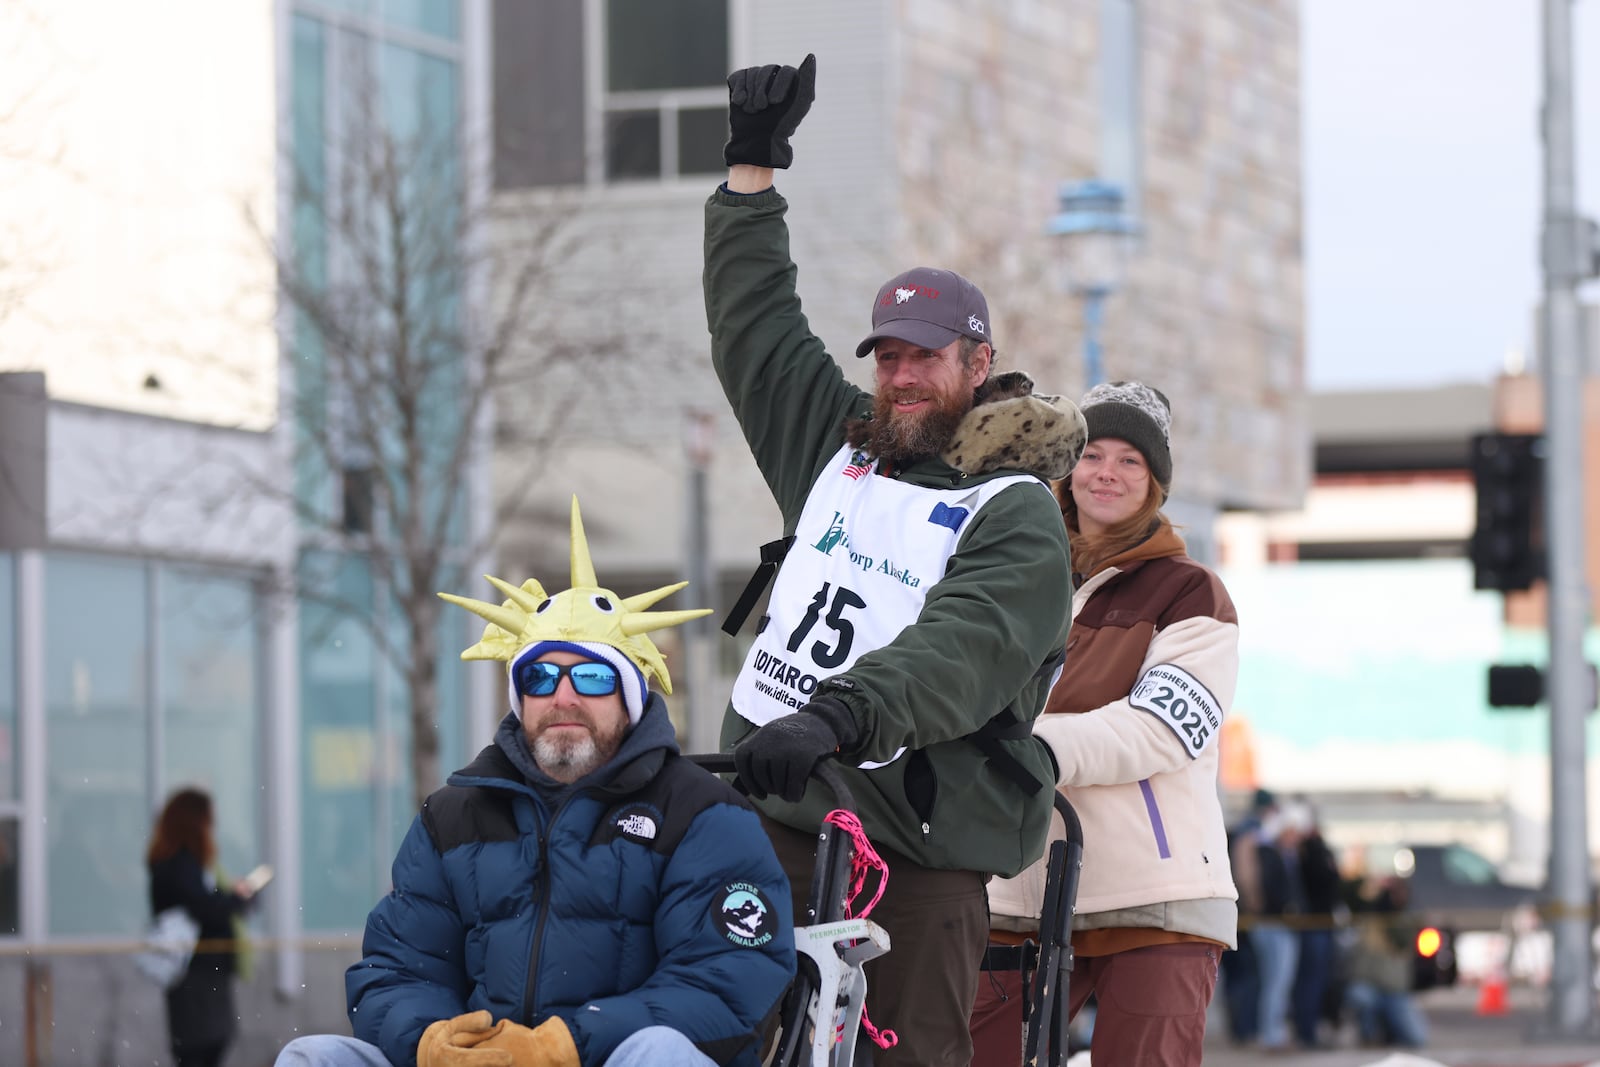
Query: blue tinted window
<point x="438" y="17"/>
<point x="448" y="716"/>
<point x="308" y="94"/>
<point x="369" y="86"/>
<point x="97" y="796"/>
<point x="339" y="754"/>
<point x="210" y="703"/>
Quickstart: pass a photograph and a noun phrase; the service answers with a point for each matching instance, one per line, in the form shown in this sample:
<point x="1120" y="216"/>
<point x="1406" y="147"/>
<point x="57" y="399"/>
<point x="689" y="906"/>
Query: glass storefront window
<point x="210" y="691"/>
<point x="338" y="702"/>
<point x="97" y="796"/>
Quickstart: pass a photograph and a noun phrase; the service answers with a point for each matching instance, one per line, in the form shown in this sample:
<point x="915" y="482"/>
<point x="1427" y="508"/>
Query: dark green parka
<point x="991" y="628"/>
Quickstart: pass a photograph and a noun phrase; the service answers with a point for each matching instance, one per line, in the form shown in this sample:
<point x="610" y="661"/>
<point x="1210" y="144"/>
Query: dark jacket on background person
<point x="994" y="617"/>
<point x="1319" y="874"/>
<point x="644" y="893"/>
<point x="1282" y="890"/>
<point x="200" y="1009"/>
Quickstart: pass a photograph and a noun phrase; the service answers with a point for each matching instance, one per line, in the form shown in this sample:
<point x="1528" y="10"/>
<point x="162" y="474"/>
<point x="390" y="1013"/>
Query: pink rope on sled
<point x="863" y="858"/>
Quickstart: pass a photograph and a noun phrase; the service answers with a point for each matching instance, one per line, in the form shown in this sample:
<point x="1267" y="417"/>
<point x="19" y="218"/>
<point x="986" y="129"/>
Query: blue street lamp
<point x="1096" y="238"/>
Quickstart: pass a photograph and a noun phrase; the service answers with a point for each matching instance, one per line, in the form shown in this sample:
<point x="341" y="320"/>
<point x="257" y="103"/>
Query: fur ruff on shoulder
<point x="1012" y="427"/>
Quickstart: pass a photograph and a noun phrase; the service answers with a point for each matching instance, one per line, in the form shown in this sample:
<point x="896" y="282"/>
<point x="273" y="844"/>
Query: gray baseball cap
<point x="928" y="308"/>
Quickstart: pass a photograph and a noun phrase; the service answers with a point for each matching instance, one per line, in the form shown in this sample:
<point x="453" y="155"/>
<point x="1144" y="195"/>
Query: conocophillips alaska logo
<point x="745" y="915"/>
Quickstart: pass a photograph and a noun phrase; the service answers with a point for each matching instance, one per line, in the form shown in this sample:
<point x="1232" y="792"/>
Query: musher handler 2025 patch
<point x="1177" y="698"/>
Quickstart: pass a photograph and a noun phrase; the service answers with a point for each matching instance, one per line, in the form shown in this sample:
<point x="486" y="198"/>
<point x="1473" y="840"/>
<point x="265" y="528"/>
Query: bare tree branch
<point x="394" y="368"/>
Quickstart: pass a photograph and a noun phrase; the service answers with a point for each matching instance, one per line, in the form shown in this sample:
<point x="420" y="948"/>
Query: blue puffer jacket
<point x="649" y="896"/>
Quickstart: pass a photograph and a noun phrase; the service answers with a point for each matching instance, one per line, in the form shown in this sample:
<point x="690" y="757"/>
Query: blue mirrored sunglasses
<point x="535" y="678"/>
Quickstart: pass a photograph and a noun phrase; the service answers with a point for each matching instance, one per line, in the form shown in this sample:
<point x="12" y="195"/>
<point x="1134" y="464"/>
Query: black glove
<point x="765" y="106"/>
<point x="778" y="757"/>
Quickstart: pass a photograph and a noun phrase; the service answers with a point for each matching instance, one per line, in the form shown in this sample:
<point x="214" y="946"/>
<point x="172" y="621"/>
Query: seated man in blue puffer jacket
<point x="579" y="894"/>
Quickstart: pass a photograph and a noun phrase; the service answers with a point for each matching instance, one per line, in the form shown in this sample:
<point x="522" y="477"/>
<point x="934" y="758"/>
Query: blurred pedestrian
<point x="1382" y="970"/>
<point x="1322" y="888"/>
<point x="182" y="859"/>
<point x="1241" y="978"/>
<point x="1275" y="941"/>
<point x="1133" y="724"/>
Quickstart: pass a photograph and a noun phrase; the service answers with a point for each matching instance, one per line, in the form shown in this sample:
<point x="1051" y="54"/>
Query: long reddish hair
<point x="184" y="826"/>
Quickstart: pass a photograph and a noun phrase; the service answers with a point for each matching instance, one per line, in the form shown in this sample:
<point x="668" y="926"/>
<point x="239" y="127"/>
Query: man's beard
<point x="571" y="755"/>
<point x="900" y="439"/>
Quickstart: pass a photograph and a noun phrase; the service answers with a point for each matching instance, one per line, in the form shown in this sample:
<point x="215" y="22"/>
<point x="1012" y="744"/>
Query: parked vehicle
<point x="1452" y="886"/>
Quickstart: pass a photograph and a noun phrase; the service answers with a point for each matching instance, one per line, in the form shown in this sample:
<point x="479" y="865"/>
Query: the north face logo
<point x="640" y="826"/>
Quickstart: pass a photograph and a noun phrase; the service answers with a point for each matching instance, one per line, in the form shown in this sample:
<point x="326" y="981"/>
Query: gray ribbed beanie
<point x="1135" y="413"/>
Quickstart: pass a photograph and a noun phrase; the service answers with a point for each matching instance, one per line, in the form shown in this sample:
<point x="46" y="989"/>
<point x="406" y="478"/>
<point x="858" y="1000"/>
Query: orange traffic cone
<point x="1492" y="994"/>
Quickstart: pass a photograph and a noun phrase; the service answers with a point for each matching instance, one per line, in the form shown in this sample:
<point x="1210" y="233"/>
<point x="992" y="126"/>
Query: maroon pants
<point x="938" y="924"/>
<point x="1151" y="1007"/>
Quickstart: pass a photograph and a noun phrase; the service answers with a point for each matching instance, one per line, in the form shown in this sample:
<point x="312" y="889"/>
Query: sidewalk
<point x="1458" y="1037"/>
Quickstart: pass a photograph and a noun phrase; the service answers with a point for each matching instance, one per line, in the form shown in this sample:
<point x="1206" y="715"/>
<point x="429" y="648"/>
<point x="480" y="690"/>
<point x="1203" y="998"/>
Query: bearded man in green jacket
<point x="918" y="618"/>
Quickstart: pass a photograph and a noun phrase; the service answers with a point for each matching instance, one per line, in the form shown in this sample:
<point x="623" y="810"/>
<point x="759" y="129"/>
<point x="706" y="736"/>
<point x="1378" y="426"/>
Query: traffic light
<point x="1515" y="685"/>
<point x="1521" y="685"/>
<point x="1508" y="541"/>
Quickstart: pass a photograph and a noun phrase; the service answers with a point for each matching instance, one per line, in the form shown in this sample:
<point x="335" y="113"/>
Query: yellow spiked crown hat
<point x="587" y="619"/>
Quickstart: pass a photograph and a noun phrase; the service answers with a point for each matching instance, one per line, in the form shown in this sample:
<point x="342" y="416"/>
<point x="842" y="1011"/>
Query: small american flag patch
<point x="858" y="465"/>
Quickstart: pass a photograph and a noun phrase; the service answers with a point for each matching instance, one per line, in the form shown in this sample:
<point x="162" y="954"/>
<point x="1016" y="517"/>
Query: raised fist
<point x="765" y="106"/>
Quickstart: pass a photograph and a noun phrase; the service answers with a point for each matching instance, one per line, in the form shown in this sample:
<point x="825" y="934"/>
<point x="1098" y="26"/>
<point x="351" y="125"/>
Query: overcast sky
<point x="1423" y="183"/>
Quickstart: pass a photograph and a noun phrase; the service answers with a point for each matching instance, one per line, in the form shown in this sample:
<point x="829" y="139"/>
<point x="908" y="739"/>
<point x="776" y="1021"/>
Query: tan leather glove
<point x="453" y="1043"/>
<point x="547" y="1045"/>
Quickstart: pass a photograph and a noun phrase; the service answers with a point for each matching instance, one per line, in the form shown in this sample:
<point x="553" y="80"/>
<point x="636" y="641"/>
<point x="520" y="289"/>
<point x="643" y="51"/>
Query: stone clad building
<point x="940" y="135"/>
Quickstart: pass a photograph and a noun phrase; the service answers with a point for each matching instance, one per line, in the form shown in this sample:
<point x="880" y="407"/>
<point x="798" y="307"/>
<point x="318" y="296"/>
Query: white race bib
<point x="866" y="551"/>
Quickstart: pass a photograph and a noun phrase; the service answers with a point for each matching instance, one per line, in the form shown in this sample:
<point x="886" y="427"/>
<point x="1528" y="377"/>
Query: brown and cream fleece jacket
<point x="1133" y="723"/>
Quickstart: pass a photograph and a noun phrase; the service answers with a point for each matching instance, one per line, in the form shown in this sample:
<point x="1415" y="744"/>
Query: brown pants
<point x="938" y="924"/>
<point x="1151" y="1007"/>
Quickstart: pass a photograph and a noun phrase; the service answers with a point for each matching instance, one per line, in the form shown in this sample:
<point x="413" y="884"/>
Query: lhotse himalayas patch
<point x="1184" y="706"/>
<point x="744" y="915"/>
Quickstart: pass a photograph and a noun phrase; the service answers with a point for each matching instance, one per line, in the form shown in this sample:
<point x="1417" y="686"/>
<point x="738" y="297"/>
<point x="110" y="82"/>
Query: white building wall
<point x="138" y="485"/>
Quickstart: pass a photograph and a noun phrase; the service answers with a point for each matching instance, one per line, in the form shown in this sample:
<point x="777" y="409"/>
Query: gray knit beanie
<point x="1135" y="413"/>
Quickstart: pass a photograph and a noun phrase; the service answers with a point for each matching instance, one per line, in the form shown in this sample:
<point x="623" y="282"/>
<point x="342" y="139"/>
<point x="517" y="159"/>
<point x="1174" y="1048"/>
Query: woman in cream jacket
<point x="1133" y="723"/>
